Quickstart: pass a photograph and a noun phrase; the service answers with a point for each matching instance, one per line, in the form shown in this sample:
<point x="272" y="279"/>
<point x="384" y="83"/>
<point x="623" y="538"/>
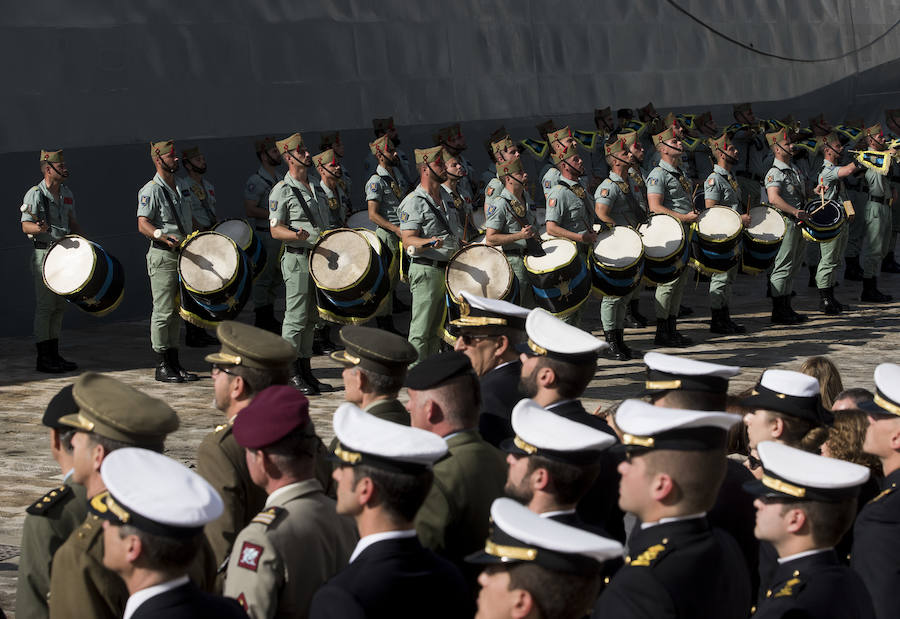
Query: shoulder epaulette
<point x="883" y="493"/>
<point x="790" y="589"/>
<point x="649" y="556"/>
<point x="48" y="500"/>
<point x="268" y="516"/>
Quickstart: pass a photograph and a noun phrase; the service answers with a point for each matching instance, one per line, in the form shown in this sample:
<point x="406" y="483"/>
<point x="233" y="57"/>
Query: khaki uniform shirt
<point x="335" y="206"/>
<point x="788" y="179"/>
<point x="203" y="202"/>
<point x="673" y="185"/>
<point x="569" y="209"/>
<point x="284" y="207"/>
<point x="500" y="216"/>
<point x="722" y="187"/>
<point x="40" y="204"/>
<point x="618" y="194"/>
<point x="258" y="184"/>
<point x="387" y="191"/>
<point x="153" y="205"/>
<point x="417" y="212"/>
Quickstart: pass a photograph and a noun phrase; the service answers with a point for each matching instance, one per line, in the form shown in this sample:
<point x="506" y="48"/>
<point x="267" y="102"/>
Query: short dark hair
<point x="857" y="394"/>
<point x="568" y="482"/>
<point x="295" y="452"/>
<point x="560" y="595"/>
<point x="383" y="384"/>
<point x="828" y="522"/>
<point x="460" y="400"/>
<point x="109" y="445"/>
<point x="162" y="553"/>
<point x="400" y="494"/>
<point x="571" y="378"/>
<point x="257" y="379"/>
<point x="65" y="439"/>
<point x="697" y="474"/>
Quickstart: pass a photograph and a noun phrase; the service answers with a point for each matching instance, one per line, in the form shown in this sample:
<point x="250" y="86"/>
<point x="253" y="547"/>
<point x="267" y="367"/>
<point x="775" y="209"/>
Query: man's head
<point x="453" y="166"/>
<point x="875" y="137"/>
<point x="53" y="166"/>
<point x="61" y="435"/>
<point x="561" y="139"/>
<point x="513" y="176"/>
<point x="384" y="151"/>
<point x="194" y="160"/>
<point x="681" y="382"/>
<point x="603" y="120"/>
<point x="634" y="146"/>
<point x="451" y="138"/>
<point x="832" y="147"/>
<point x="504" y="149"/>
<point x="328" y="165"/>
<point x="333" y="141"/>
<point x="819" y="125"/>
<point x="294" y="152"/>
<point x="163" y="156"/>
<point x="430" y="163"/>
<point x="743" y="113"/>
<point x="444" y="394"/>
<point x="375" y="363"/>
<point x="618" y="156"/>
<point x="668" y="144"/>
<point x="780" y="142"/>
<point x="883" y="434"/>
<point x="267" y="152"/>
<point x="724" y="150"/>
<point x="489" y="330"/>
<point x="851" y="398"/>
<point x="385" y="126"/>
<point x="787" y="407"/>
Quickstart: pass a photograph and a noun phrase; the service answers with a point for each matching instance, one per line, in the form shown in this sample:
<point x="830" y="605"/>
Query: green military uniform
<point x="786" y="177"/>
<point x="387" y="189"/>
<point x="335" y="200"/>
<point x="203" y="203"/>
<point x="567" y="206"/>
<point x="266" y="284"/>
<point x="463" y="203"/>
<point x="48" y="523"/>
<point x="504" y="214"/>
<point x="722" y="187"/>
<point x="878" y="223"/>
<point x="832" y="251"/>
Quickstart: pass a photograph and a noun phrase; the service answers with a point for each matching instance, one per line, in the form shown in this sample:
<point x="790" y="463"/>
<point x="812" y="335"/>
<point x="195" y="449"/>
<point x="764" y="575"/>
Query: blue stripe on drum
<point x="95" y="300"/>
<point x="623" y="282"/>
<point x="552" y="293"/>
<point x="360" y="300"/>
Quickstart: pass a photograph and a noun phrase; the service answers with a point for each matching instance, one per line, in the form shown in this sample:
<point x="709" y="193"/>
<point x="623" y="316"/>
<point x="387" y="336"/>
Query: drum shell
<point x="824" y="224"/>
<point x="104" y="288"/>
<point x="207" y="308"/>
<point x="757" y="255"/>
<point x="719" y="246"/>
<point x="616" y="281"/>
<point x="360" y="301"/>
<point x="563" y="289"/>
<point x="254" y="248"/>
<point x="713" y="260"/>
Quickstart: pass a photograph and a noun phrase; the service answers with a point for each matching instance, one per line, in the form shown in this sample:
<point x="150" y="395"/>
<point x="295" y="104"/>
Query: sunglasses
<point x="218" y="368"/>
<point x="470" y="340"/>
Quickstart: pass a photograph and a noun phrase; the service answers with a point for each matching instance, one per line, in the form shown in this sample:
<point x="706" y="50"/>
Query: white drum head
<point x="372" y="238"/>
<point x="69" y="264"/>
<point x="208" y="262"/>
<point x="480" y="270"/>
<point x="237" y="230"/>
<point x="557" y="253"/>
<point x="360" y="219"/>
<point x="662" y="236"/>
<point x="618" y="248"/>
<point x="340" y="259"/>
<point x="766" y="224"/>
<point x="718" y="223"/>
<point x="478" y="218"/>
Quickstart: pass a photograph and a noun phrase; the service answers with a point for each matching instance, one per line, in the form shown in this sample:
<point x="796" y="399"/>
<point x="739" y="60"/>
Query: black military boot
<point x="719" y="323"/>
<point x="853" y="271"/>
<point x="67" y="366"/>
<point x="811" y="282"/>
<point x="633" y="317"/>
<point x="322" y="344"/>
<point x="614" y="352"/>
<point x="165" y="371"/>
<point x="631" y="352"/>
<point x="311" y="380"/>
<point x="871" y="294"/>
<point x="298" y="380"/>
<point x="186" y="376"/>
<point x="889" y="265"/>
<point x="827" y="304"/>
<point x="265" y="319"/>
<point x="737" y="328"/>
<point x="662" y="337"/>
<point x="684" y="311"/>
<point x="680" y="340"/>
<point x="197" y="337"/>
<point x="46" y="362"/>
<point x="798" y="318"/>
<point x="780" y="313"/>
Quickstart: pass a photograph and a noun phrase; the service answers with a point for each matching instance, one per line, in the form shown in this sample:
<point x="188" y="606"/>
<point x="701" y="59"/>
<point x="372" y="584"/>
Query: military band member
<point x="458" y="193"/>
<point x="751" y="168"/>
<point x="454" y="142"/>
<point x="856" y="189"/>
<point x="559" y="140"/>
<point x="498" y="154"/>
<point x="510" y="223"/>
<point x="889" y="264"/>
<point x="384" y="474"/>
<point x="878" y="223"/>
<point x="333" y="141"/>
<point x="722" y="188"/>
<point x="603" y="121"/>
<point x="704" y="158"/>
<point x="295" y="543"/>
<point x="670" y="479"/>
<point x="328" y="166"/>
<point x="164" y="217"/>
<point x="256" y="207"/>
<point x="428" y="225"/>
<point x="296" y="209"/>
<point x="633" y="317"/>
<point x="48" y="214"/>
<point x="403" y="167"/>
<point x="669" y="191"/>
<point x="615" y="204"/>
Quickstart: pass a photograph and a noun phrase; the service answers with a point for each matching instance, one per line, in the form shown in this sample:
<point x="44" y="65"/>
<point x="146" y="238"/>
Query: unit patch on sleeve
<point x="250" y="555"/>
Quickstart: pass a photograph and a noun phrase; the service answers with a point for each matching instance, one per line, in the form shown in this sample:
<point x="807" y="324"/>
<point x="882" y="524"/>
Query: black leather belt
<point x="262" y="229"/>
<point x="752" y="177"/>
<point x="440" y="264"/>
<point x="160" y="245"/>
<point x="878" y="199"/>
<point x="296" y="250"/>
<point x="514" y="252"/>
<point x="41" y="244"/>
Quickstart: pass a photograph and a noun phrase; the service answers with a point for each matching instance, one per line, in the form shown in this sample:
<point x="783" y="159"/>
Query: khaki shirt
<point x="417" y="213"/>
<point x="673" y="185"/>
<point x="258" y="184"/>
<point x="284" y="207"/>
<point x="789" y="181"/>
<point x="722" y="187"/>
<point x="335" y="206"/>
<point x="40" y="204"/>
<point x="618" y="194"/>
<point x="203" y="202"/>
<point x="500" y="216"/>
<point x="387" y="190"/>
<point x="834" y="186"/>
<point x="567" y="209"/>
<point x="153" y="205"/>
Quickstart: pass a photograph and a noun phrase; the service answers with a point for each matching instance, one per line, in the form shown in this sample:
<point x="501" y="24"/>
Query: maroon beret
<point x="273" y="414"/>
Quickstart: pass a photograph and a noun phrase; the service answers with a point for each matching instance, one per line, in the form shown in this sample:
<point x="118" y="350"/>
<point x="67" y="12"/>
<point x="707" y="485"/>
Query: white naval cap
<point x="796" y="474"/>
<point x="791" y="393"/>
<point x="155" y="493"/>
<point x="887" y="391"/>
<point x="548" y="336"/>
<point x="540" y="432"/>
<point x="654" y="427"/>
<point x="365" y="439"/>
<point x="476" y="311"/>
<point x="519" y="535"/>
<point x="668" y="372"/>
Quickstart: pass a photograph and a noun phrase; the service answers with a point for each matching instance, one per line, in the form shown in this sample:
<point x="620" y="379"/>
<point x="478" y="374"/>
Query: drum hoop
<point x="196" y="320"/>
<point x="809" y="236"/>
<point x="249" y="227"/>
<point x="350" y="320"/>
<point x="824" y="228"/>
<point x="90" y="275"/>
<point x="557" y="268"/>
<point x="459" y="251"/>
<point x="674" y="254"/>
<point x="696" y="228"/>
<point x="636" y="262"/>
<point x="684" y="239"/>
<point x="204" y="293"/>
<point x="361" y="277"/>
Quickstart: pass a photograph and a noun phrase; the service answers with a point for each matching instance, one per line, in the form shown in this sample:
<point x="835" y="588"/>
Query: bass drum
<point x="825" y="220"/>
<point x="665" y="248"/>
<point x="242" y="233"/>
<point x="350" y="276"/>
<point x="83" y="273"/>
<point x="762" y="239"/>
<point x="216" y="279"/>
<point x="559" y="278"/>
<point x="360" y="219"/>
<point x="715" y="247"/>
<point x="617" y="262"/>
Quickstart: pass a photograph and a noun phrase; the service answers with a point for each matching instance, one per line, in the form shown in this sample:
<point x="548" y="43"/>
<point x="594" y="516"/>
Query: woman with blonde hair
<point x="823" y="370"/>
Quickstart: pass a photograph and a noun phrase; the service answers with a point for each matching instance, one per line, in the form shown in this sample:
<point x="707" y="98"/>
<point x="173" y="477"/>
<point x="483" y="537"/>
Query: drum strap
<point x="437" y="213"/>
<point x="532" y="245"/>
<point x="632" y="202"/>
<point x="171" y="204"/>
<point x="393" y="184"/>
<point x="580" y="193"/>
<point x="44" y="210"/>
<point x="304" y="206"/>
<point x="685" y="183"/>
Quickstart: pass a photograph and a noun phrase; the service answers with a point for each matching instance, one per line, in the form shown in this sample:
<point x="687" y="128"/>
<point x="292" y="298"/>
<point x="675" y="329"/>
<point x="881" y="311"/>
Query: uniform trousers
<point x="720" y="288"/>
<point x="390" y="242"/>
<point x="832" y="255"/>
<point x="299" y="303"/>
<point x="879" y="230"/>
<point x="266" y="284"/>
<point x="165" y="324"/>
<point x="49" y="307"/>
<point x="426" y="283"/>
<point x="787" y="261"/>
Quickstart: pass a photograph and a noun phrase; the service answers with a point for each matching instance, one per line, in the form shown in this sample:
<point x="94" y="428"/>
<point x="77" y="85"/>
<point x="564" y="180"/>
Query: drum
<point x="762" y="239"/>
<point x="360" y="219"/>
<point x="83" y="273"/>
<point x="242" y="233"/>
<point x="216" y="279"/>
<point x="617" y="262"/>
<point x="715" y="246"/>
<point x="825" y="220"/>
<point x="350" y="276"/>
<point x="383" y="253"/>
<point x="559" y="278"/>
<point x="665" y="248"/>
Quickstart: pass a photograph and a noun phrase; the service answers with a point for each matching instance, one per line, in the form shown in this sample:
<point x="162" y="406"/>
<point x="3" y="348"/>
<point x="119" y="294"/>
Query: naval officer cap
<point x="270" y="416"/>
<point x="645" y="426"/>
<point x="790" y="393"/>
<point x="548" y="336"/>
<point x="364" y="439"/>
<point x="477" y="311"/>
<point x="60" y="405"/>
<point x="793" y="474"/>
<point x="155" y="494"/>
<point x="438" y="369"/>
<point x="251" y="347"/>
<point x="377" y="350"/>
<point x="887" y="391"/>
<point x="668" y="372"/>
<point x="518" y="535"/>
<point x="540" y="432"/>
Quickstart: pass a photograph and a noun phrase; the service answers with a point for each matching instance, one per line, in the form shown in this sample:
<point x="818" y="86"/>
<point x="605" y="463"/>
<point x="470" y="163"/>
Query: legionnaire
<point x="328" y="166"/>
<point x="510" y="223"/>
<point x="722" y="188"/>
<point x="454" y="142"/>
<point x="804" y="504"/>
<point x="333" y="141"/>
<point x="429" y="225"/>
<point x="458" y="193"/>
<point x="296" y="209"/>
<point x="704" y="157"/>
<point x="164" y="216"/>
<point x="383" y="476"/>
<point x="489" y="332"/>
<point x="751" y="143"/>
<point x="559" y="141"/>
<point x="615" y="204"/>
<point x="785" y="191"/>
<point x="501" y="149"/>
<point x="889" y="264"/>
<point x="249" y="361"/>
<point x="876" y="534"/>
<point x="633" y="317"/>
<point x="385" y="126"/>
<point x="384" y="191"/>
<point x="669" y="191"/>
<point x="50" y="519"/>
<point x="48" y="214"/>
<point x="153" y="512"/>
<point x="536" y="568"/>
<point x="444" y="399"/>
<point x="675" y="463"/>
<point x="256" y="206"/>
<point x="878" y="226"/>
<point x="110" y="415"/>
<point x="606" y="128"/>
<point x="295" y="543"/>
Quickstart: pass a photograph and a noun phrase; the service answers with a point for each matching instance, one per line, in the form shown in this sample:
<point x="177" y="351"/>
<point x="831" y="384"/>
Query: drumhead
<point x="480" y="270"/>
<point x="208" y="262"/>
<point x="824" y="217"/>
<point x="557" y="253"/>
<point x="719" y="223"/>
<point x="360" y="219"/>
<point x="618" y="248"/>
<point x="340" y="259"/>
<point x="69" y="264"/>
<point x="766" y="224"/>
<point x="237" y="230"/>
<point x="663" y="236"/>
<point x="372" y="238"/>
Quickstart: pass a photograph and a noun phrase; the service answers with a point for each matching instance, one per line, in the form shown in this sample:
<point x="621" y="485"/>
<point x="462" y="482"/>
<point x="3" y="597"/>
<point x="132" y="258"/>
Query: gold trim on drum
<point x="195" y="320"/>
<point x="753" y="239"/>
<point x="252" y="231"/>
<point x="359" y="279"/>
<point x="557" y="267"/>
<point x="685" y="238"/>
<point x="462" y="249"/>
<point x="112" y="307"/>
<point x="237" y="270"/>
<point x="87" y="279"/>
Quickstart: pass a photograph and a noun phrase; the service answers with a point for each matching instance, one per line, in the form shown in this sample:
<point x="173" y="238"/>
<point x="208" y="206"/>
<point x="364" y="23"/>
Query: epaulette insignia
<point x="268" y="516"/>
<point x="51" y="498"/>
<point x="221" y="427"/>
<point x="790" y="588"/>
<point x="883" y="494"/>
<point x="648" y="556"/>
